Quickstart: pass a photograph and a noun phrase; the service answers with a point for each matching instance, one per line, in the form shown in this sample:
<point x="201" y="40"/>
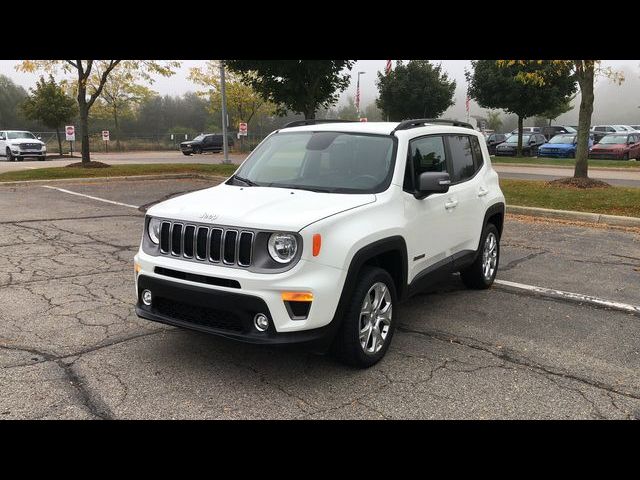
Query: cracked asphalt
<point x="71" y="345"/>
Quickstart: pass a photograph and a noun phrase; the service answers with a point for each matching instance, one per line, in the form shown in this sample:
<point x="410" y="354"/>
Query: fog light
<point x="146" y="297"/>
<point x="261" y="322"/>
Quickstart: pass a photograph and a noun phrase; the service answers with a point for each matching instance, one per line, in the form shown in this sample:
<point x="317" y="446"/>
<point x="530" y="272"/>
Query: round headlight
<point x="282" y="247"/>
<point x="154" y="230"/>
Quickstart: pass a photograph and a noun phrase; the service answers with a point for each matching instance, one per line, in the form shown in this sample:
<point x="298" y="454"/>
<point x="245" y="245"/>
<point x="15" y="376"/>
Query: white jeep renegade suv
<point x="321" y="231"/>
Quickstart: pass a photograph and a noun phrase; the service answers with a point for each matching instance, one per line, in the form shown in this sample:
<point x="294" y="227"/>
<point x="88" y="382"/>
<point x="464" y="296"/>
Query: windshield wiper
<point x="245" y="181"/>
<point x="302" y="187"/>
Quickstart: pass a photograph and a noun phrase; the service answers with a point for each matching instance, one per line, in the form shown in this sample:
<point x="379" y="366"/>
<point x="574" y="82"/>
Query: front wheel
<point x="368" y="325"/>
<point x="186" y="153"/>
<point x="197" y="150"/>
<point x="10" y="157"/>
<point x="482" y="272"/>
<point x="625" y="156"/>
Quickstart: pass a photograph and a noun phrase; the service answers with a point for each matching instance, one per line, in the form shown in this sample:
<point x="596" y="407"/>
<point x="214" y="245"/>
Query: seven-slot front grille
<point x="227" y="246"/>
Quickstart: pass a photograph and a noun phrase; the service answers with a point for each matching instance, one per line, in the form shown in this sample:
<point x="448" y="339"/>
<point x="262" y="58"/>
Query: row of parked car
<point x="618" y="142"/>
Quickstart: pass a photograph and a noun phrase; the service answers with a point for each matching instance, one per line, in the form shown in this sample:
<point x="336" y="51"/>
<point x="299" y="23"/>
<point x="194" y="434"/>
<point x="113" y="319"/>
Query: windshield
<point x="563" y="139"/>
<point x="614" y="139"/>
<point x="571" y="130"/>
<point x="321" y="161"/>
<point x="16" y="135"/>
<point x="199" y="137"/>
<point x="514" y="138"/>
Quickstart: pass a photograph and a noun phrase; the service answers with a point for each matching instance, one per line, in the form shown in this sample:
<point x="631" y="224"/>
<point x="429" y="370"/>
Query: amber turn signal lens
<point x="317" y="243"/>
<point x="137" y="267"/>
<point x="297" y="296"/>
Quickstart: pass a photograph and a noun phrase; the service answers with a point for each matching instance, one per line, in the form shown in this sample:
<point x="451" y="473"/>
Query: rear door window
<point x="462" y="158"/>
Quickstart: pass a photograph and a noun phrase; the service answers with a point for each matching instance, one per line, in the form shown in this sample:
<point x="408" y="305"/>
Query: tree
<point x="121" y="93"/>
<point x="348" y="111"/>
<point x="496" y="84"/>
<point x="50" y="104"/>
<point x="11" y="96"/>
<point x="86" y="92"/>
<point x="561" y="107"/>
<point x="243" y="102"/>
<point x="416" y="90"/>
<point x="581" y="71"/>
<point x="302" y="86"/>
<point x="494" y="122"/>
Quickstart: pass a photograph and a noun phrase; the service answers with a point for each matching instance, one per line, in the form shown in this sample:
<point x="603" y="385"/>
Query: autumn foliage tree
<point x="300" y="86"/>
<point x="582" y="72"/>
<point x="88" y="91"/>
<point x="494" y="84"/>
<point x="49" y="103"/>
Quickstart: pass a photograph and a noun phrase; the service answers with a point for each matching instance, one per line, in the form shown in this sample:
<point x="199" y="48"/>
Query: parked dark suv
<point x="493" y="140"/>
<point x="530" y="144"/>
<point x="205" y="143"/>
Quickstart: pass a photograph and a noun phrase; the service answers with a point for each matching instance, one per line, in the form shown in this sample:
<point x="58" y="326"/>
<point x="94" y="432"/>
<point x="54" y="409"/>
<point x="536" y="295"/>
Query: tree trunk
<point x="310" y="114"/>
<point x="84" y="131"/>
<point x="519" y="149"/>
<point x="585" y="80"/>
<point x="59" y="140"/>
<point x="117" y="128"/>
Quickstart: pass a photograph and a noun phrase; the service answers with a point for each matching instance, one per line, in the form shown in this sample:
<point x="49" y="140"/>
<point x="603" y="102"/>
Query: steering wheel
<point x="366" y="176"/>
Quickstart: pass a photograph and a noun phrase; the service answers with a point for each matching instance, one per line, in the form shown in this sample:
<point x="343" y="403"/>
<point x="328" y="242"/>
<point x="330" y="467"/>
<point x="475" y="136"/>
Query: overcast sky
<point x="178" y="84"/>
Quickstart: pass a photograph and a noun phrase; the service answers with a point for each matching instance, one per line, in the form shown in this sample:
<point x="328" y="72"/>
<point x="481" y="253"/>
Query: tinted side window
<point x="426" y="154"/>
<point x="461" y="158"/>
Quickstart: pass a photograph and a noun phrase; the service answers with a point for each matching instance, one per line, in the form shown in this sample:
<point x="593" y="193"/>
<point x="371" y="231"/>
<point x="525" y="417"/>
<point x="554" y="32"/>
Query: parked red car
<point x="618" y="146"/>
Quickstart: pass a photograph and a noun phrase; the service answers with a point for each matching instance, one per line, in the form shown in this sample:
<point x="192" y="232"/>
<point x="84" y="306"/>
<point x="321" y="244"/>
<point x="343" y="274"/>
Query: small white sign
<point x="105" y="135"/>
<point x="242" y="129"/>
<point x="70" y="132"/>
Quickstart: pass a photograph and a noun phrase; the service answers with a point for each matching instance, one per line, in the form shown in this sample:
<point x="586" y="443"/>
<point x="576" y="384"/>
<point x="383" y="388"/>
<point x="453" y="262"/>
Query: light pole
<point x="225" y="145"/>
<point x="358" y="94"/>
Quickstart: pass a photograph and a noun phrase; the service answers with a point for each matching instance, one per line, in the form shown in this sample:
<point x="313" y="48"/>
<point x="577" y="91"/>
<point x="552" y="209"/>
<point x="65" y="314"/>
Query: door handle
<point x="451" y="204"/>
<point x="482" y="192"/>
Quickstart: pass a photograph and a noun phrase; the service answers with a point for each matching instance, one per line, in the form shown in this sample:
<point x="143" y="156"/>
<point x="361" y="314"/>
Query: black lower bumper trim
<point x="222" y="313"/>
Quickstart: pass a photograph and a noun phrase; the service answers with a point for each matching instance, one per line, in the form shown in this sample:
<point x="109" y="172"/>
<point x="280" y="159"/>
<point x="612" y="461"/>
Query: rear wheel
<point x="368" y="325"/>
<point x="482" y="272"/>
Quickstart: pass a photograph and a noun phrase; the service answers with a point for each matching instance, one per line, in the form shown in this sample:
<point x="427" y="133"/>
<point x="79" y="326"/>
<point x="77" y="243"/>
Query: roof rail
<point x="407" y="124"/>
<point x="300" y="123"/>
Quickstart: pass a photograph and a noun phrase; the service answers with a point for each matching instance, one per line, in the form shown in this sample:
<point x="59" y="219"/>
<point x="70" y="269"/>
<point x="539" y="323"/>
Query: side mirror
<point x="39" y="138"/>
<point x="432" y="182"/>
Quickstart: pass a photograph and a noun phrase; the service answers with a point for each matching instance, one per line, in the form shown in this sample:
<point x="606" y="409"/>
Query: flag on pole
<point x="468" y="100"/>
<point x="388" y="69"/>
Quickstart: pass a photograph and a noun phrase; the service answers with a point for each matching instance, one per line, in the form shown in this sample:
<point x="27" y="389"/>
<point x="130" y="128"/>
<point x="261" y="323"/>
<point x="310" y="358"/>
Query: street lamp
<point x="358" y="94"/>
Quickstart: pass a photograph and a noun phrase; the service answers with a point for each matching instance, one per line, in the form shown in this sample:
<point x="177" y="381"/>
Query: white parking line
<point x="570" y="296"/>
<point x="91" y="197"/>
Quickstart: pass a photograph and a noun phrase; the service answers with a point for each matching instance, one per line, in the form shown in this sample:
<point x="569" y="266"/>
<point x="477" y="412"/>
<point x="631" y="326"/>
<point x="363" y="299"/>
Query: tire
<point x="197" y="150"/>
<point x="186" y="154"/>
<point x="476" y="277"/>
<point x="10" y="157"/>
<point x="625" y="156"/>
<point x="347" y="345"/>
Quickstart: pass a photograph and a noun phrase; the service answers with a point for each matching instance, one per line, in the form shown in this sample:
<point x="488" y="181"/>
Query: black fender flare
<point x="390" y="244"/>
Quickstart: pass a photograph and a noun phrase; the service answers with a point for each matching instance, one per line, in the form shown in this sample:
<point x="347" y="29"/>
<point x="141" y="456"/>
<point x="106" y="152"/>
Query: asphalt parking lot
<point x="71" y="345"/>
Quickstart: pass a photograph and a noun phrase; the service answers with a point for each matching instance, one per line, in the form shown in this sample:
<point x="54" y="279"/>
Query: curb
<point x="600" y="218"/>
<point x="167" y="176"/>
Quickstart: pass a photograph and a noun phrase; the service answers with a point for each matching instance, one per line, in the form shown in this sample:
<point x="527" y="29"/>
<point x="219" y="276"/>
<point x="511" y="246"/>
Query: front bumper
<point x="607" y="155"/>
<point x="221" y="313"/>
<point x="262" y="292"/>
<point x="561" y="154"/>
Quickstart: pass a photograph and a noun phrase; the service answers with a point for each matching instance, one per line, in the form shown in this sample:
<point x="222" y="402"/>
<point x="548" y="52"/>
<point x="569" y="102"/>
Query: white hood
<point x="258" y="207"/>
<point x="20" y="141"/>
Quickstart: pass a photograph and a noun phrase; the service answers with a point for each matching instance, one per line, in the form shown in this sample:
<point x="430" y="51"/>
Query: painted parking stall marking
<point x="570" y="296"/>
<point x="91" y="197"/>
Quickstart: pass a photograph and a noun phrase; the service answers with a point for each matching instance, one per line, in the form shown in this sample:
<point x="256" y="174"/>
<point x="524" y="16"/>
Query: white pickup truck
<point x="18" y="144"/>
